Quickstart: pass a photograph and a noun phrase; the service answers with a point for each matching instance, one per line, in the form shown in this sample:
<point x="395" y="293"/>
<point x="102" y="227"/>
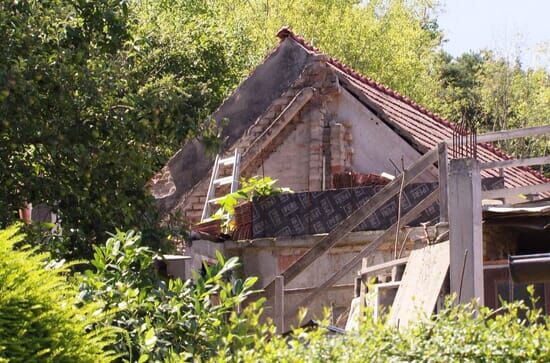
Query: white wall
<point x="374" y="143"/>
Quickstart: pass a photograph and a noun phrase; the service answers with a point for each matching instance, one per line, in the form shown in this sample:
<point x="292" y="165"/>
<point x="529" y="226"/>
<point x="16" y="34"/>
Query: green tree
<point x="93" y="100"/>
<point x="496" y="94"/>
<point x="160" y="319"/>
<point x="391" y="41"/>
<point x="459" y="97"/>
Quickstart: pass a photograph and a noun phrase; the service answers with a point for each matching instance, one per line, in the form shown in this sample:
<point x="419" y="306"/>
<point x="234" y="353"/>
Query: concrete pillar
<point x="465" y="233"/>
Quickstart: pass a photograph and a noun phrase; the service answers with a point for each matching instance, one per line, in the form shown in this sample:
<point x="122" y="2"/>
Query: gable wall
<point x="373" y="143"/>
<point x="287" y="163"/>
<point x="333" y="133"/>
<point x="358" y="140"/>
<point x="262" y="88"/>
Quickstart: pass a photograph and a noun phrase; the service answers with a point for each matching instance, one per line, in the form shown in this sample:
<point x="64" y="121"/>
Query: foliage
<point x="169" y="319"/>
<point x="458" y="334"/>
<point x="94" y="97"/>
<point x="391" y="41"/>
<point x="496" y="94"/>
<point x="252" y="187"/>
<point x="41" y="316"/>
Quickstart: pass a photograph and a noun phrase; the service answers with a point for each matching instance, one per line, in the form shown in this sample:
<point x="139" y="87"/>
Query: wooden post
<point x="357" y="286"/>
<point x="443" y="188"/>
<point x="279" y="304"/>
<point x="465" y="233"/>
<point x="355" y="219"/>
<point x="368" y="249"/>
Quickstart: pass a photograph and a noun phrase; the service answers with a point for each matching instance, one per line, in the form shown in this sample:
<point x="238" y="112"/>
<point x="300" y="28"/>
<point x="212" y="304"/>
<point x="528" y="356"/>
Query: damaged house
<point x="370" y="173"/>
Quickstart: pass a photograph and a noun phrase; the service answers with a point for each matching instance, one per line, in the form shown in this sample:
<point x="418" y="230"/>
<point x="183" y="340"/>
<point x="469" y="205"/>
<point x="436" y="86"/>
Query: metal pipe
<point x="530" y="268"/>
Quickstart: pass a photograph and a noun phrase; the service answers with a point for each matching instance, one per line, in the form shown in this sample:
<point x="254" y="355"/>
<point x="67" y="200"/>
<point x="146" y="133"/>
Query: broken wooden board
<point x="354" y="314"/>
<point x="421" y="284"/>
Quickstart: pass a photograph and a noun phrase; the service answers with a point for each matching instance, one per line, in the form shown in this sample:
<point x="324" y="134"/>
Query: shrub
<point x="173" y="319"/>
<point x="41" y="318"/>
<point x="458" y="334"/>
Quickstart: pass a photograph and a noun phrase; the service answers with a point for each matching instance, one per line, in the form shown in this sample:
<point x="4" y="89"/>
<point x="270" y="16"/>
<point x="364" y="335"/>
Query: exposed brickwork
<point x="316" y="120"/>
<point x="294" y="155"/>
<point x="340" y="147"/>
<point x="287" y="162"/>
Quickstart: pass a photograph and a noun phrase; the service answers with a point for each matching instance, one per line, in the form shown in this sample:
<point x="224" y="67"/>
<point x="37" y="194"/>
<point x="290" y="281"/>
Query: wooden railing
<point x="465" y="203"/>
<point x="275" y="290"/>
<point x="502" y="164"/>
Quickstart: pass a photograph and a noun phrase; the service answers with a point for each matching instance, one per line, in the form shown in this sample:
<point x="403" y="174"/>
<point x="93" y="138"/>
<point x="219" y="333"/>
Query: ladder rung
<point x="227" y="161"/>
<point x="224" y="181"/>
<point x="215" y="200"/>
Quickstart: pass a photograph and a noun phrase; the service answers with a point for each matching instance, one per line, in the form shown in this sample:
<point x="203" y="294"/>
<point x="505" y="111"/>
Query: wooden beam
<point x="515" y="162"/>
<point x="279" y="304"/>
<point x="509" y="134"/>
<point x="355" y="219"/>
<point x="383" y="266"/>
<point x="513" y="134"/>
<point x="276" y="127"/>
<point x="371" y="247"/>
<point x="443" y="175"/>
<point x="509" y="192"/>
<point x="303" y="290"/>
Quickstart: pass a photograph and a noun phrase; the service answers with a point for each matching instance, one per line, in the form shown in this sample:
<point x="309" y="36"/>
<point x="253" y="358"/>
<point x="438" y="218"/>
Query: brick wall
<point x="296" y="159"/>
<point x="287" y="162"/>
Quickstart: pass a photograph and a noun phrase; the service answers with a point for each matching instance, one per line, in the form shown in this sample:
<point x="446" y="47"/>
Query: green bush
<point x="174" y="319"/>
<point x="41" y="317"/>
<point x="458" y="334"/>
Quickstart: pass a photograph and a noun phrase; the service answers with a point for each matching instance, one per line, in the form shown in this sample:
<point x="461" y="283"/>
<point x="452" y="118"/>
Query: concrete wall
<point x="373" y="142"/>
<point x="200" y="252"/>
<point x="269" y="257"/>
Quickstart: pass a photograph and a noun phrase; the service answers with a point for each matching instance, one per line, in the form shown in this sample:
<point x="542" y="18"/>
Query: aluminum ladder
<point x="216" y="182"/>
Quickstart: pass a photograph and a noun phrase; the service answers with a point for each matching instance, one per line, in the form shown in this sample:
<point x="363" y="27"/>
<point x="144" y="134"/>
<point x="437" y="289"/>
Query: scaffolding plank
<point x="421" y="284"/>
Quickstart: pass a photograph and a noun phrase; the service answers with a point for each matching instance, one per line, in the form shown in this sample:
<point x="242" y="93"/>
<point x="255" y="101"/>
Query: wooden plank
<point x="513" y="134"/>
<point x="442" y="167"/>
<point x="255" y="150"/>
<point x="352" y="324"/>
<point x="303" y="290"/>
<point x="509" y="134"/>
<point x="543" y="160"/>
<point x="509" y="192"/>
<point x="355" y="219"/>
<point x="371" y="247"/>
<point x="383" y="266"/>
<point x="279" y="304"/>
<point x="421" y="284"/>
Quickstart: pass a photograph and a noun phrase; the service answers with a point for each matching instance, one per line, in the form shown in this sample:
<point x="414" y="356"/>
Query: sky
<point x="499" y="25"/>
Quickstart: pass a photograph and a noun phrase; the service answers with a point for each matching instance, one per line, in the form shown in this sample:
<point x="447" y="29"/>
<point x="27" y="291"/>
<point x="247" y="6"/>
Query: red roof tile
<point x="427" y="128"/>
